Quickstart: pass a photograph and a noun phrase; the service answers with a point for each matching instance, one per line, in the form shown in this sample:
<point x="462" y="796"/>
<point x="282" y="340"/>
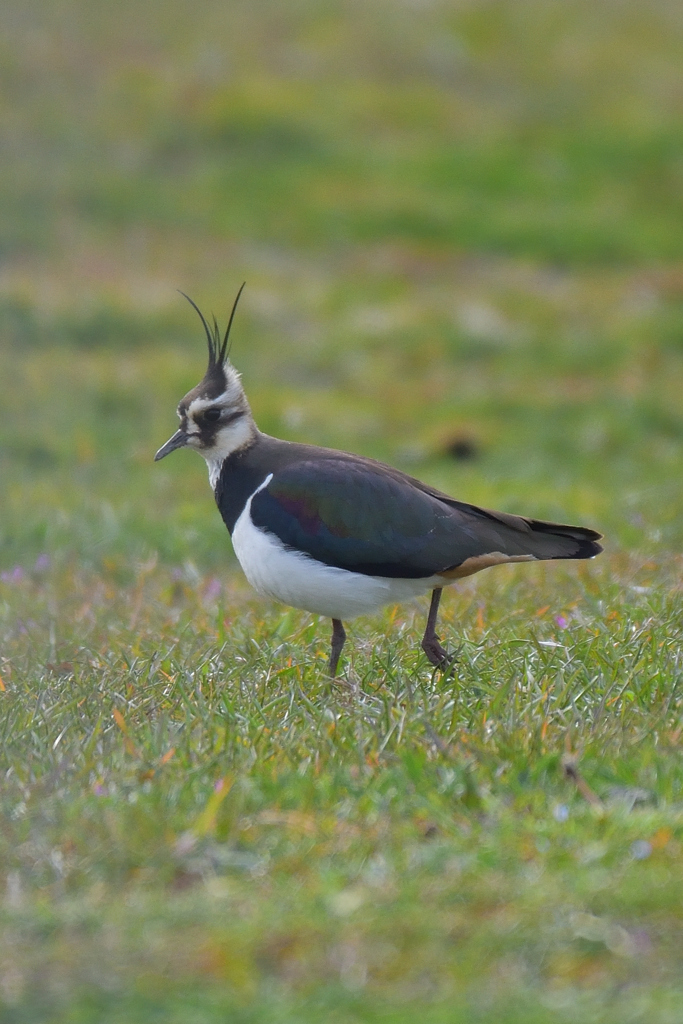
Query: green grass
<point x="196" y="817"/>
<point x="456" y="222"/>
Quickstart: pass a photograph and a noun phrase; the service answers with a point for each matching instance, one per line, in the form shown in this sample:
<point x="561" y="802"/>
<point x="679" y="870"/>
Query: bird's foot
<point x="436" y="654"/>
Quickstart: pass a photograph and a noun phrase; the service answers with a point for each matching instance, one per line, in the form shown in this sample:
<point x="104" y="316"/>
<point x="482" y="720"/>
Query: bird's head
<point x="215" y="418"/>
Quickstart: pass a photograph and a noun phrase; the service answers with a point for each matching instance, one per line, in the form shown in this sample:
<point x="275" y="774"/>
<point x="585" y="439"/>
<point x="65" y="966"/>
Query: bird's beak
<point x="179" y="440"/>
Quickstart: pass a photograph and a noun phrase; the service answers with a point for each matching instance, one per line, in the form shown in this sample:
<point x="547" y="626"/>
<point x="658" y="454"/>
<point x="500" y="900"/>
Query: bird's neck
<point x="234" y="440"/>
<point x="236" y="478"/>
<point x="239" y="475"/>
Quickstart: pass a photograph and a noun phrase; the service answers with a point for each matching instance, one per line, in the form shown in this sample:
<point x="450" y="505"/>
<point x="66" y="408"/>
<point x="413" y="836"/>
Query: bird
<point x="337" y="534"/>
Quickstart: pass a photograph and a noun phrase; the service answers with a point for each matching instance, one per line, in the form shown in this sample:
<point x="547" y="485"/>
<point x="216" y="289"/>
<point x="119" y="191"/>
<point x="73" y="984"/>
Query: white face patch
<point x="229" y="439"/>
<point x="199" y="405"/>
<point x="215" y="440"/>
<point x="232" y="397"/>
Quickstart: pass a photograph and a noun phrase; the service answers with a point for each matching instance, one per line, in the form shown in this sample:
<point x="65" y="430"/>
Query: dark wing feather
<point x="358" y="517"/>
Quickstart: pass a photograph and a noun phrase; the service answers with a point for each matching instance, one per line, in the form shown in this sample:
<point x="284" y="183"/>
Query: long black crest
<point x="225" y="348"/>
<point x="218" y="347"/>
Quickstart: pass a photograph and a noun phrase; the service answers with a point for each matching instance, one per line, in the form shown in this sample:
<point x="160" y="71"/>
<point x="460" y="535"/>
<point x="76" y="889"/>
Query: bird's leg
<point x="338" y="638"/>
<point x="431" y="644"/>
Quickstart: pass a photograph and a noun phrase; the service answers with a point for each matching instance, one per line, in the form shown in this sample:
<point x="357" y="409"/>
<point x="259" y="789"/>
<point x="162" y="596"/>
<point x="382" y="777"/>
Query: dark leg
<point x="338" y="638"/>
<point x="430" y="641"/>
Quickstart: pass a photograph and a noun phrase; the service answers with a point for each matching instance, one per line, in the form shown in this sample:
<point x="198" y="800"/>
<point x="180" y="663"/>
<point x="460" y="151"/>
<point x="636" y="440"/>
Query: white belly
<point x="298" y="580"/>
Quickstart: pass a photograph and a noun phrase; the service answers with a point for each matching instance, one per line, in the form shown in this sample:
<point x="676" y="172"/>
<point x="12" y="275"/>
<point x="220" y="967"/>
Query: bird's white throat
<point x="229" y="439"/>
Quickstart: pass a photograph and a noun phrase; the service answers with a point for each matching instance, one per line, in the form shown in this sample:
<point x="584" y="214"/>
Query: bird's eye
<point x="212" y="415"/>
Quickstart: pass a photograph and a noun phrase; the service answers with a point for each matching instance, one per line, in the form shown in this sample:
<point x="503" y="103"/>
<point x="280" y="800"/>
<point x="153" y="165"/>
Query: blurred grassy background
<point x="456" y="220"/>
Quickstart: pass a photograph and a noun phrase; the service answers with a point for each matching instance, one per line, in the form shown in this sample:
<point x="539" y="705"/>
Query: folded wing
<point x="358" y="517"/>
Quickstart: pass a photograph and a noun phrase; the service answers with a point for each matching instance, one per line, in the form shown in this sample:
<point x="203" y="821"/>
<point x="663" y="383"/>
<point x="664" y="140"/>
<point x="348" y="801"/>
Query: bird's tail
<point x="554" y="540"/>
<point x="520" y="538"/>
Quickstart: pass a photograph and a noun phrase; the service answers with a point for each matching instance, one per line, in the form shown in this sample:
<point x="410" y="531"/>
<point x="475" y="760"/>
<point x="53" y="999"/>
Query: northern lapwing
<point x="338" y="534"/>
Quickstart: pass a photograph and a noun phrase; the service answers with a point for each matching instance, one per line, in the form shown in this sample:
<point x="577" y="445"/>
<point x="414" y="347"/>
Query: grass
<point x="196" y="822"/>
<point x="458" y="223"/>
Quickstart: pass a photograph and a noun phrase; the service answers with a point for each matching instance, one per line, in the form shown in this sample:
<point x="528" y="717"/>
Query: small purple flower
<point x="641" y="940"/>
<point x="212" y="590"/>
<point x="42" y="563"/>
<point x="98" y="789"/>
<point x="561" y="621"/>
<point x="15" y="575"/>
